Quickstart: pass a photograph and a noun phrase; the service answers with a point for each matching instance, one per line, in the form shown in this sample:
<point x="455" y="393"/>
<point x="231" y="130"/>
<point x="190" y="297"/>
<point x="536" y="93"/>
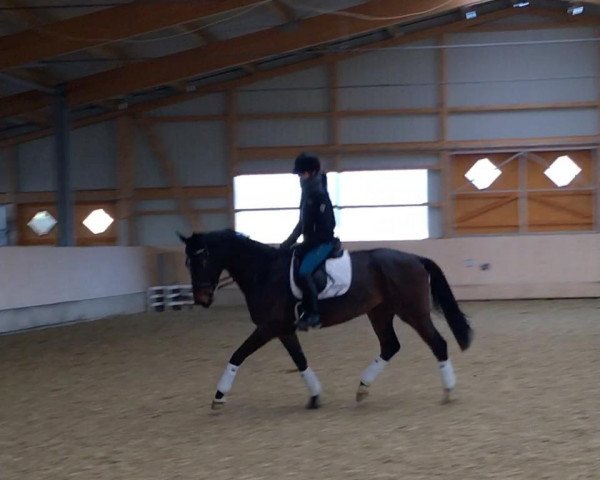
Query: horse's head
<point x="205" y="263"/>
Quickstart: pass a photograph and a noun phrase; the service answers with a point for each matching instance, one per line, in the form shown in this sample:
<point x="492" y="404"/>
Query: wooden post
<point x="13" y="181"/>
<point x="334" y="118"/>
<point x="443" y="89"/>
<point x="596" y="194"/>
<point x="447" y="195"/>
<point x="596" y="153"/>
<point x="232" y="149"/>
<point x="522" y="199"/>
<point x="126" y="180"/>
<point x="445" y="159"/>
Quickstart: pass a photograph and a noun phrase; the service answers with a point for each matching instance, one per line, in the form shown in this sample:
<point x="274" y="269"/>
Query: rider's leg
<point x="312" y="259"/>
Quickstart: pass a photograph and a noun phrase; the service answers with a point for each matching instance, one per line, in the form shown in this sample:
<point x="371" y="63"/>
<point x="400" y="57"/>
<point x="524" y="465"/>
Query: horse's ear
<point x="182" y="238"/>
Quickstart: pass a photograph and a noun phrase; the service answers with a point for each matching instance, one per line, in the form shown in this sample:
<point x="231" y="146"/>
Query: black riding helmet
<point x="306" y="162"/>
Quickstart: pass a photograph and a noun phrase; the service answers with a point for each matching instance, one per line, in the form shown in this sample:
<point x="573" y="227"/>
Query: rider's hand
<point x="286" y="246"/>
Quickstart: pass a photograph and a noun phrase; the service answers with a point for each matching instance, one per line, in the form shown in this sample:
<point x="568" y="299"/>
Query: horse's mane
<point x="248" y="261"/>
<point x="230" y="239"/>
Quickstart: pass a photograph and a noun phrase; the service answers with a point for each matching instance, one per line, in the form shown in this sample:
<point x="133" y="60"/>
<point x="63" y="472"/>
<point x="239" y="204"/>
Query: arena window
<point x="369" y="205"/>
<point x="98" y="221"/>
<point x="266" y="206"/>
<point x="382" y="205"/>
<point x="42" y="223"/>
<point x="562" y="171"/>
<point x="483" y="173"/>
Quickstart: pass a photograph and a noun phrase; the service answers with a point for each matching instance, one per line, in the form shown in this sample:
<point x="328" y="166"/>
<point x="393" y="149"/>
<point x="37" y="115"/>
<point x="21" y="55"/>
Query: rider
<point x="316" y="225"/>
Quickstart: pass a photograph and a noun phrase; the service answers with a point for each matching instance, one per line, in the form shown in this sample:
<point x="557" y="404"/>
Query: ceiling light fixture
<point x="470" y="14"/>
<point x="575" y="10"/>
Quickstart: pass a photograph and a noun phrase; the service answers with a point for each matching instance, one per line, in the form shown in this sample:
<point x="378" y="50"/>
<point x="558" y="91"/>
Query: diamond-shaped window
<point x="483" y="173"/>
<point x="562" y="171"/>
<point x="98" y="221"/>
<point x="42" y="223"/>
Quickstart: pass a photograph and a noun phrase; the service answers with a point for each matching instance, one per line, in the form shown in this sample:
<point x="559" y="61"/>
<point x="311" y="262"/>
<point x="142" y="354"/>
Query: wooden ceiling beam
<point x="104" y="27"/>
<point x="199" y="31"/>
<point x="29" y="100"/>
<point x="39" y="21"/>
<point x="245" y="49"/>
<point x="36" y="118"/>
<point x="284" y="11"/>
<point x="33" y="78"/>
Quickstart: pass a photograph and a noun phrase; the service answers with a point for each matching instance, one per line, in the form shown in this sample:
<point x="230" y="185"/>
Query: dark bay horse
<point x="385" y="283"/>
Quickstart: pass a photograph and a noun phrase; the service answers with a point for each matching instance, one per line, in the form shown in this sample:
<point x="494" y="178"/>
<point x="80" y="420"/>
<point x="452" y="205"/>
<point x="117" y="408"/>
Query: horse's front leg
<point x="256" y="340"/>
<point x="292" y="345"/>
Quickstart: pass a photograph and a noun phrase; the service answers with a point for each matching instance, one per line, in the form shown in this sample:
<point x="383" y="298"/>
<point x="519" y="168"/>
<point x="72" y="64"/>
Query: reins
<point x="225" y="282"/>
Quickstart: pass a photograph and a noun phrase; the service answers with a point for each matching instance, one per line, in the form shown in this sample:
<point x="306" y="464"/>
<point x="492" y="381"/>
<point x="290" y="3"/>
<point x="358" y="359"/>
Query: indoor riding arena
<point x="465" y="132"/>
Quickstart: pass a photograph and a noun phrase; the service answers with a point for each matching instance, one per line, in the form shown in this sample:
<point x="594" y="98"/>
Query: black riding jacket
<point x="317" y="221"/>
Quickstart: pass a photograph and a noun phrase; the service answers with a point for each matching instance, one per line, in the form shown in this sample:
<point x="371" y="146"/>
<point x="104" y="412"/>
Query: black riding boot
<point x="310" y="317"/>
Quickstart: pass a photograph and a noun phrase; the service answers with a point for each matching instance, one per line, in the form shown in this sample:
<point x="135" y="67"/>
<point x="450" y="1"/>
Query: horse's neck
<point x="247" y="262"/>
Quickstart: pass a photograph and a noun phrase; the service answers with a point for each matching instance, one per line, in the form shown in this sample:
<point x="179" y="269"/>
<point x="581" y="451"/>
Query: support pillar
<point x="64" y="193"/>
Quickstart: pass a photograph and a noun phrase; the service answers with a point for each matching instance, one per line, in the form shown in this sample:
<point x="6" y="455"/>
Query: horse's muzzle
<point x="204" y="297"/>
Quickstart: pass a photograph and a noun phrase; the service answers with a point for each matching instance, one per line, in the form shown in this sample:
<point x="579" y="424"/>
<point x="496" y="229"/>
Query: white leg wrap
<point x="226" y="382"/>
<point x="312" y="382"/>
<point x="373" y="370"/>
<point x="447" y="374"/>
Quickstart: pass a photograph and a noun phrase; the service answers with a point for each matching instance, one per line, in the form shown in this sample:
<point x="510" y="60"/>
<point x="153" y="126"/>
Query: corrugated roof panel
<point x="311" y="8"/>
<point x="242" y="22"/>
<point x="8" y="87"/>
<point x="79" y="64"/>
<point x="158" y="44"/>
<point x="55" y="10"/>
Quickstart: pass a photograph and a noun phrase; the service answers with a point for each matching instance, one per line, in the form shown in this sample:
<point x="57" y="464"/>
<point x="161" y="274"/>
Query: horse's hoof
<point x="446" y="397"/>
<point x="313" y="403"/>
<point x="217" y="404"/>
<point x="362" y="393"/>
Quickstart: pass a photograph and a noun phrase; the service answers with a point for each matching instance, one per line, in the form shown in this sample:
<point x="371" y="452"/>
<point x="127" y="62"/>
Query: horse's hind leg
<point x="382" y="320"/>
<point x="422" y="323"/>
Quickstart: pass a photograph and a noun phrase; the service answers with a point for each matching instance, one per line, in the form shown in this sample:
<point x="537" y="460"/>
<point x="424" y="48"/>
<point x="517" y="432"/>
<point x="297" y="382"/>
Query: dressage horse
<point x="385" y="283"/>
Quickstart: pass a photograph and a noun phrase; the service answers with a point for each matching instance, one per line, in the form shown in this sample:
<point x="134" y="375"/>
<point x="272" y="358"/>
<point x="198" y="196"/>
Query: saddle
<point x="332" y="277"/>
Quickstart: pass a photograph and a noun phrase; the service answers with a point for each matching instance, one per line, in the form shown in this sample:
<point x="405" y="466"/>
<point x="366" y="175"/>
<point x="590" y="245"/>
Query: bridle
<point x="222" y="282"/>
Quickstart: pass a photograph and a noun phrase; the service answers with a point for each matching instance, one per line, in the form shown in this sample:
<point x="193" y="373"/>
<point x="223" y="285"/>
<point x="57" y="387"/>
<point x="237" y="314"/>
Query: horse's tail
<point x="443" y="299"/>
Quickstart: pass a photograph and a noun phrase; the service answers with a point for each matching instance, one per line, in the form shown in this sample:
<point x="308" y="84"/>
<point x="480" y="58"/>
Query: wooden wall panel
<point x="486" y="214"/>
<point x="548" y="212"/>
<point x="547" y="208"/>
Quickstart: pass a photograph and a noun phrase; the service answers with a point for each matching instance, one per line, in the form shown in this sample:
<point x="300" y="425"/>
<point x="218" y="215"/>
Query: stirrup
<point x="314" y="321"/>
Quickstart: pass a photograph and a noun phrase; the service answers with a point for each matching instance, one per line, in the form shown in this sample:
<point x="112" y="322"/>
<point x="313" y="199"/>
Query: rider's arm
<point x="293" y="237"/>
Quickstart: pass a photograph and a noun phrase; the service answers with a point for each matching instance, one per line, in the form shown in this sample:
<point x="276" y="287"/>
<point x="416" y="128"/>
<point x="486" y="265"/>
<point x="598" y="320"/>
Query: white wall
<point x="45" y="285"/>
<point x="32" y="276"/>
<point x="530" y="266"/>
<point x="519" y="267"/>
